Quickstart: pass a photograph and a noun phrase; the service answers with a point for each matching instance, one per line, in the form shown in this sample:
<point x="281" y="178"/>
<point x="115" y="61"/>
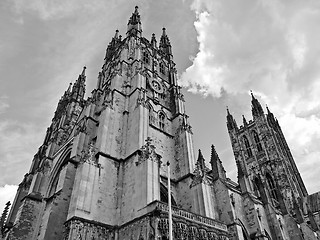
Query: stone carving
<point x="88" y="156"/>
<point x="81" y="126"/>
<point x="141" y="100"/>
<point x="77" y="229"/>
<point x="201" y="174"/>
<point x="147" y="152"/>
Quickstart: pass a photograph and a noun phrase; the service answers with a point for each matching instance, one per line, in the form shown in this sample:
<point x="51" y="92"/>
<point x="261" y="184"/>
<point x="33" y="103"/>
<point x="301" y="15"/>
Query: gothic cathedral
<point x="101" y="172"/>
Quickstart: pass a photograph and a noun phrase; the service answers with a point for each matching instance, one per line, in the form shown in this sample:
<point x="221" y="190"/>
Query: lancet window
<point x="247" y="145"/>
<point x="257" y="141"/>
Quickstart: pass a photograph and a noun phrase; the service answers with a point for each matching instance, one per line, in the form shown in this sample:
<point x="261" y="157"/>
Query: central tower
<point x="101" y="171"/>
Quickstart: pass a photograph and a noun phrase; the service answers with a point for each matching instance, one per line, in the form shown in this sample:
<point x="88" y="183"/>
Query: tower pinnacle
<point x="165" y="44"/>
<point x="231" y="123"/>
<point x="134" y="23"/>
<point x="256" y="107"/>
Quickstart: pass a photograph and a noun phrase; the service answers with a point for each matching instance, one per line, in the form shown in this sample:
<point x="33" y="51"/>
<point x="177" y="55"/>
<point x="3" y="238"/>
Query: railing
<point x="190" y="216"/>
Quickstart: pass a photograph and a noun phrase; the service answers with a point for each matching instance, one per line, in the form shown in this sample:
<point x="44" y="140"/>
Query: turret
<point x="231" y="123"/>
<point x="134" y="24"/>
<point x="218" y="171"/>
<point x="257" y="110"/>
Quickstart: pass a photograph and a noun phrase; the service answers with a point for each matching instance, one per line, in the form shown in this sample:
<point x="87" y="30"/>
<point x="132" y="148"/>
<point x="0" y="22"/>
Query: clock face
<point x="156" y="85"/>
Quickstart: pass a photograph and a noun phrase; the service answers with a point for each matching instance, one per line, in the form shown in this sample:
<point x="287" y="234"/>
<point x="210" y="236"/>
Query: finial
<point x="84" y="71"/>
<point x="164" y="31"/>
<point x="228" y="111"/>
<point x="69" y="88"/>
<point x="116" y="34"/>
<point x="136" y="9"/>
<point x="267" y="108"/>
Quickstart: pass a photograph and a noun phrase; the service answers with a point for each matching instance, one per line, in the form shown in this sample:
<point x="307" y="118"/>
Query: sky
<point x="222" y="48"/>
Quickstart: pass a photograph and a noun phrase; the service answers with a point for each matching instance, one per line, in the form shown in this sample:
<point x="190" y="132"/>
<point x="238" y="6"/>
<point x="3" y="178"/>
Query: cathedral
<point x="102" y="170"/>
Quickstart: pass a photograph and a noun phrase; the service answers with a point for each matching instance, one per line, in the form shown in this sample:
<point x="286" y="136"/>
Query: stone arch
<point x="63" y="159"/>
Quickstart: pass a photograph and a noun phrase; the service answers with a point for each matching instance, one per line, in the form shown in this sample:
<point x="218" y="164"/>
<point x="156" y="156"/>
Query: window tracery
<point x="247" y="145"/>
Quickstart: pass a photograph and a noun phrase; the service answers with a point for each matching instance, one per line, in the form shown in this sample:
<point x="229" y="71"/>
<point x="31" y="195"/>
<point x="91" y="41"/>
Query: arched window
<point x="146" y="58"/>
<point x="59" y="178"/>
<point x="161" y="120"/>
<point x="272" y="187"/>
<point x="247" y="145"/>
<point x="257" y="141"/>
<point x="161" y="68"/>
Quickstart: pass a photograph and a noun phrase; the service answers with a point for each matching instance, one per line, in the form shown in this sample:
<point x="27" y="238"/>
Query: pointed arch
<point x="247" y="146"/>
<point x="272" y="187"/>
<point x="151" y="113"/>
<point x="257" y="140"/>
<point x="56" y="176"/>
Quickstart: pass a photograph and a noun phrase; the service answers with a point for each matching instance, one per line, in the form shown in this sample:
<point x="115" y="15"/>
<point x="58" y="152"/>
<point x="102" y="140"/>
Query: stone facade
<point x="101" y="171"/>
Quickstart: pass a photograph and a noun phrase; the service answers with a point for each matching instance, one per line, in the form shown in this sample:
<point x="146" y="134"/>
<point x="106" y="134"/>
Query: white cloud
<point x="269" y="47"/>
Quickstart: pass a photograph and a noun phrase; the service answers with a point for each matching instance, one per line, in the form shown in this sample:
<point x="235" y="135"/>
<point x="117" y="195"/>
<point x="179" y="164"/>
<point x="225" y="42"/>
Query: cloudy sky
<point x="223" y="49"/>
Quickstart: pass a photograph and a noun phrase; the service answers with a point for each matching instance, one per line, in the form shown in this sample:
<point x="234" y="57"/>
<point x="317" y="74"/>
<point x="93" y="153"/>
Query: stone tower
<point x="101" y="171"/>
<point x="267" y="171"/>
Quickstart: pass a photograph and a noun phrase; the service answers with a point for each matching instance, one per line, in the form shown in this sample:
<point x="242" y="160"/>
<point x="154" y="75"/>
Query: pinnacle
<point x="84" y="71"/>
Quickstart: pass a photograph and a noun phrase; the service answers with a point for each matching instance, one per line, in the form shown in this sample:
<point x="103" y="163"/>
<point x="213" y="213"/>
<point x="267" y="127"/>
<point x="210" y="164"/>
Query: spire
<point x="134" y="23"/>
<point x="79" y="87"/>
<point x="231" y="123"/>
<point x="216" y="165"/>
<point x="256" y="107"/>
<point x="165" y="44"/>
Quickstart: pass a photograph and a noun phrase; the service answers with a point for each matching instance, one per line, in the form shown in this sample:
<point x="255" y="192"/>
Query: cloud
<point x="269" y="47"/>
<point x="48" y="9"/>
<point x="17" y="141"/>
<point x="3" y="104"/>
